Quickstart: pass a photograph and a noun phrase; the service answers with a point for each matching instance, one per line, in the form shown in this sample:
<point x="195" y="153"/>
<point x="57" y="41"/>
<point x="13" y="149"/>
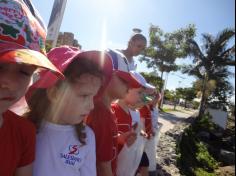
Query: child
<point x="149" y="113"/>
<point x="58" y="108"/>
<point x="132" y="101"/>
<point x="102" y="119"/>
<point x="20" y="57"/>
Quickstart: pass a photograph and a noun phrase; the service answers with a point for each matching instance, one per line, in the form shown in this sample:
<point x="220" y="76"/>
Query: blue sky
<point x="99" y="24"/>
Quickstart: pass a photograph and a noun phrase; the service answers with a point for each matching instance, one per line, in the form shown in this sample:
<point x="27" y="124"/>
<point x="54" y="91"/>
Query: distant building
<point x="67" y="38"/>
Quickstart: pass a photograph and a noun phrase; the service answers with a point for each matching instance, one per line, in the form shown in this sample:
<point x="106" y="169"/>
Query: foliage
<point x="204" y="158"/>
<point x="204" y="124"/>
<point x="194" y="158"/>
<point x="210" y="87"/>
<point x="196" y="105"/>
<point x="202" y="172"/>
<point x="153" y="79"/>
<point x="169" y="95"/>
<point x="188" y="94"/>
<point x="48" y="46"/>
<point x="211" y="64"/>
<point x="165" y="48"/>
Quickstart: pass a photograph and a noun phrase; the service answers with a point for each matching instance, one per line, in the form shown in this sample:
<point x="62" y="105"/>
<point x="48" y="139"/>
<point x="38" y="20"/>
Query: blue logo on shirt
<point x="71" y="157"/>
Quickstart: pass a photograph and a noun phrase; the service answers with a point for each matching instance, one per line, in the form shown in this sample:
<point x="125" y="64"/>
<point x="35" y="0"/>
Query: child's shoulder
<point x="89" y="133"/>
<point x="15" y="121"/>
<point x="89" y="130"/>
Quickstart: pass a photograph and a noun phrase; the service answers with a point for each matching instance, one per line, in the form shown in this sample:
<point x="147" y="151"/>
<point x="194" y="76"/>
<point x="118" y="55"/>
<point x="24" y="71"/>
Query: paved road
<point x="170" y="119"/>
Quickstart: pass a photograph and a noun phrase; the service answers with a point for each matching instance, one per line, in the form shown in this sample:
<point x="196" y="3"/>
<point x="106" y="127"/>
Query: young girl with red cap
<point x="65" y="145"/>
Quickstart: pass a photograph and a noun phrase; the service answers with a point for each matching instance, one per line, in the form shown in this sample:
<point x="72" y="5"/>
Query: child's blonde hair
<point x="39" y="103"/>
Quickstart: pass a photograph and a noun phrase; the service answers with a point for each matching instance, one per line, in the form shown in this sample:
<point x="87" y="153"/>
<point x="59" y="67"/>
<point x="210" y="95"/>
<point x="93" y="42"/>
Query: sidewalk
<point x="170" y="119"/>
<point x="174" y="123"/>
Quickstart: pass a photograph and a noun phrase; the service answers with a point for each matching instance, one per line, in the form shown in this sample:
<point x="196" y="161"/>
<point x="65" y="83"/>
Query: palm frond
<point x="195" y="51"/>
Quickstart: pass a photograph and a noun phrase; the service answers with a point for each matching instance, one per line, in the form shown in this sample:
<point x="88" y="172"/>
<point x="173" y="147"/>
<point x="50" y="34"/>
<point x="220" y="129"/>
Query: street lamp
<point x="137" y="30"/>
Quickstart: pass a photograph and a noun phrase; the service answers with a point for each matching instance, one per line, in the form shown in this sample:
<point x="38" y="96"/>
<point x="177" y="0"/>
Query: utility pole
<point x="163" y="90"/>
<point x="55" y="21"/>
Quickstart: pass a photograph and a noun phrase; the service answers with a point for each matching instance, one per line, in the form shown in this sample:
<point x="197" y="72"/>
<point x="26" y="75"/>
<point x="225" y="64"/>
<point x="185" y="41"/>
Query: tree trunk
<point x="203" y="99"/>
<point x="185" y="104"/>
<point x="162" y="92"/>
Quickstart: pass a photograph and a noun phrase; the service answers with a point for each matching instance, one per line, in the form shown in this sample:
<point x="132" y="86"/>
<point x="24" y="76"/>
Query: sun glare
<point x="104" y="34"/>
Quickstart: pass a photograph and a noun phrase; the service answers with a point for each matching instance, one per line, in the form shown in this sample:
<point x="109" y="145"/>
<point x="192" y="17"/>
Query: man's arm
<point x="104" y="169"/>
<point x="25" y="170"/>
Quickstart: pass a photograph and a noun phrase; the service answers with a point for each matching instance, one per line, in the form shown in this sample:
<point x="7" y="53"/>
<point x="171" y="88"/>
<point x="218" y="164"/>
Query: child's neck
<point x="107" y="101"/>
<point x="128" y="55"/>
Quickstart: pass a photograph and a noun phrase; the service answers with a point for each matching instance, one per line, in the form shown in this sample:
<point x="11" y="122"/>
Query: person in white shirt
<point x="136" y="45"/>
<point x="65" y="146"/>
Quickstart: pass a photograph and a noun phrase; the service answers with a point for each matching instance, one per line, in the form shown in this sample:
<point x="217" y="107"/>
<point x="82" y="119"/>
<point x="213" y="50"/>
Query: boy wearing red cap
<point x="102" y="118"/>
<point x="132" y="102"/>
<point x="21" y="46"/>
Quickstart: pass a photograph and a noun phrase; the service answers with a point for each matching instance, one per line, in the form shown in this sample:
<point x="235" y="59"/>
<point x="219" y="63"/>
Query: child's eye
<point x="83" y="96"/>
<point x="25" y="73"/>
<point x="1" y="66"/>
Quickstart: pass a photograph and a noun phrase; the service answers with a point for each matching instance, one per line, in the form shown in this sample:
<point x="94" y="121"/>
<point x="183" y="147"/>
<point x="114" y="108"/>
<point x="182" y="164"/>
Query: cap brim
<point x="133" y="83"/>
<point x="47" y="79"/>
<point x="149" y="86"/>
<point x="16" y="54"/>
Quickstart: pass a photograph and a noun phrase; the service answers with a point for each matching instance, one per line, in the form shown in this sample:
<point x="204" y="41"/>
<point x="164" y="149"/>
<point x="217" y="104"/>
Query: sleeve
<point x="89" y="167"/>
<point x="28" y="143"/>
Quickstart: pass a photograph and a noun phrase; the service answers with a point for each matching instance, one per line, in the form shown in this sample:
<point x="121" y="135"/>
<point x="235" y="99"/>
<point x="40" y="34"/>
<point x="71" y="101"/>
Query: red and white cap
<point x="142" y="80"/>
<point x="121" y="68"/>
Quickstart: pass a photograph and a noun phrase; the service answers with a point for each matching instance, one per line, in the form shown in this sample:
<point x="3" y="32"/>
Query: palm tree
<point x="212" y="61"/>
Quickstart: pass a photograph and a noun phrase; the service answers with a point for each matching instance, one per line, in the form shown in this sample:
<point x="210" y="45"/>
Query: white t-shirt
<point x="59" y="152"/>
<point x="132" y="65"/>
<point x="155" y="114"/>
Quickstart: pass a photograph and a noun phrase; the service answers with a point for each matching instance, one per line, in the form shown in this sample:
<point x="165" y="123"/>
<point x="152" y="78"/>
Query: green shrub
<point x="201" y="172"/>
<point x="196" y="105"/>
<point x="204" y="124"/>
<point x="205" y="159"/>
<point x="194" y="158"/>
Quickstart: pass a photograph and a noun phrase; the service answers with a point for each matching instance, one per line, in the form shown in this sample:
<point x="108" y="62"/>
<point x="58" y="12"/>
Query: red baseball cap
<point x="121" y="68"/>
<point x="64" y="55"/>
<point x="22" y="36"/>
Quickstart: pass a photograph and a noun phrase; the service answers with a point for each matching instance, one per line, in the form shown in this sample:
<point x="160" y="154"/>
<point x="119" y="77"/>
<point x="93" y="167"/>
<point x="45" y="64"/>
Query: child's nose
<point x="90" y="105"/>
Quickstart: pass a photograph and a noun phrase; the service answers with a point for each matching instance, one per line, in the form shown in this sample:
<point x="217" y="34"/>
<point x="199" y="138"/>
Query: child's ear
<point x="130" y="44"/>
<point x="52" y="94"/>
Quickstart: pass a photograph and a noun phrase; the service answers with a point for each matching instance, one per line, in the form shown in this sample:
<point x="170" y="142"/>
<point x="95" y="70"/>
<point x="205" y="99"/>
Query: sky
<point x="99" y="24"/>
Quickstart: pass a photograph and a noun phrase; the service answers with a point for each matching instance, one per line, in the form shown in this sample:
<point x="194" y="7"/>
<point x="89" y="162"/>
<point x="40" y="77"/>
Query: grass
<point x="168" y="110"/>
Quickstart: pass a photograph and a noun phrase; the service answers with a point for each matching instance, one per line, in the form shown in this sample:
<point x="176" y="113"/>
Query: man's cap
<point x="22" y="36"/>
<point x="142" y="81"/>
<point x="62" y="56"/>
<point x="121" y="68"/>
